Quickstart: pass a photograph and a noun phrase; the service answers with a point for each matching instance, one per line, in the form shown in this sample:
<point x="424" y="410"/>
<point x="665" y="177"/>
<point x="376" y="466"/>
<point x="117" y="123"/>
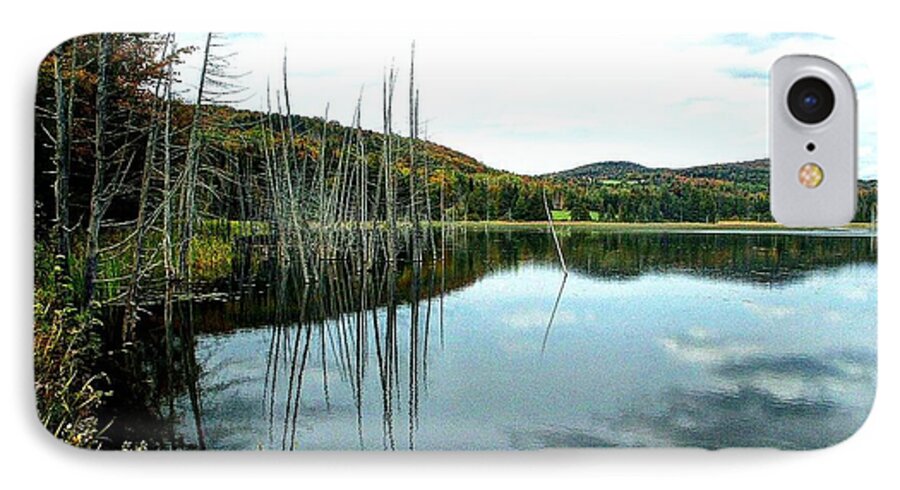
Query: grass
<point x="67" y="341"/>
<point x="234" y="228"/>
<point x="566" y="215"/>
<point x="211" y="257"/>
<point x="66" y="346"/>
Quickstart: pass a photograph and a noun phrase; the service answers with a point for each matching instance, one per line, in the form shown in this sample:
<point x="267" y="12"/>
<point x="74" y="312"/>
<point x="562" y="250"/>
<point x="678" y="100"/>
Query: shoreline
<point x="675" y="226"/>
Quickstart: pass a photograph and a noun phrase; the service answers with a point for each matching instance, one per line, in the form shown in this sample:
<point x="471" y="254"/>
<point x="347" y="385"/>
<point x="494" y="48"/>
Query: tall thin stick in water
<point x="562" y="286"/>
<point x="290" y="167"/>
<point x="562" y="260"/>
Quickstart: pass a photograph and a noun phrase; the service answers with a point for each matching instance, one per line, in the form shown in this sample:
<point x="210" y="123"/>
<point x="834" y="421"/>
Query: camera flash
<point x="811" y="175"/>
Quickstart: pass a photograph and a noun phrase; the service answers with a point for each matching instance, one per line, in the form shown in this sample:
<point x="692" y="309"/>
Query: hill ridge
<point x="619" y="169"/>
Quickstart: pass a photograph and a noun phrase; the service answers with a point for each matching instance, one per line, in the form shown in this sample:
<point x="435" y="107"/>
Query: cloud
<point x="702" y="347"/>
<point x="539" y="111"/>
<point x="536" y="319"/>
<point x="834" y="316"/>
<point x="755" y="44"/>
<point x="800" y="379"/>
<point x="745" y="418"/>
<point x="244" y="35"/>
<point x="332" y="72"/>
<point x="857" y="293"/>
<point x="746" y="73"/>
<point x="772" y="312"/>
<point x="561" y="437"/>
<point x="689" y="101"/>
<point x="868" y="154"/>
<point x="789" y="401"/>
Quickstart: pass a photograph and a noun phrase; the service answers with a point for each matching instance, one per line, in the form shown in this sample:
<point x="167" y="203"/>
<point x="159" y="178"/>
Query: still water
<point x="653" y="339"/>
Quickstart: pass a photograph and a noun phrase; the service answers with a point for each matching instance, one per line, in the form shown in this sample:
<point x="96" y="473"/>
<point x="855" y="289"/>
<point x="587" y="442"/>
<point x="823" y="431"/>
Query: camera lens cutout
<point x="810" y="100"/>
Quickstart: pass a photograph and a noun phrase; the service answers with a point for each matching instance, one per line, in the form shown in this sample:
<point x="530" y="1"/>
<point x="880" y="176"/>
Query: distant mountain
<point x="754" y="171"/>
<point x="608" y="170"/>
<point x="442" y="155"/>
<point x="438" y="155"/>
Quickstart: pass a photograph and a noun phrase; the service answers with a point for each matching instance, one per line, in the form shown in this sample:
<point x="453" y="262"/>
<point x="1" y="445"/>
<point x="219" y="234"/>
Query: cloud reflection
<point x="755" y="398"/>
<point x="746" y="398"/>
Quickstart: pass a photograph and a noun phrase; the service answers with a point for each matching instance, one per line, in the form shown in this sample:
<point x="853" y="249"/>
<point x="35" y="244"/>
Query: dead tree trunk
<point x="141" y="228"/>
<point x="192" y="170"/>
<point x="320" y="178"/>
<point x="290" y="164"/>
<point x="562" y="260"/>
<point x="390" y="200"/>
<point x="168" y="193"/>
<point x="62" y="156"/>
<point x="99" y="201"/>
<point x="413" y="212"/>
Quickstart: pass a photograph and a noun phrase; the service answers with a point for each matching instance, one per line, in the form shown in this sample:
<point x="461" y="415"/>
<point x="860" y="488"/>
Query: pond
<point x="654" y="338"/>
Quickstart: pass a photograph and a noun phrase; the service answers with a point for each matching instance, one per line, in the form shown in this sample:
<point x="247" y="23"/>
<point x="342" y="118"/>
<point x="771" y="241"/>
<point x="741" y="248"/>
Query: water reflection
<point x="711" y="340"/>
<point x="559" y="294"/>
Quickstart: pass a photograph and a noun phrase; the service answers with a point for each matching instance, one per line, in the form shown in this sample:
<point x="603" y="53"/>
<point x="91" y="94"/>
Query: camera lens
<point x="810" y="100"/>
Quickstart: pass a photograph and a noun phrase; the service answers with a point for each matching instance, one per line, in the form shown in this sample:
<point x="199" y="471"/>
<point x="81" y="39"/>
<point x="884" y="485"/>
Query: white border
<point x="31" y="458"/>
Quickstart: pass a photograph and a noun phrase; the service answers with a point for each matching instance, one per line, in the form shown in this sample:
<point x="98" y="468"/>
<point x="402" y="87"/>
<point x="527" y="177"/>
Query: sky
<point x="536" y="104"/>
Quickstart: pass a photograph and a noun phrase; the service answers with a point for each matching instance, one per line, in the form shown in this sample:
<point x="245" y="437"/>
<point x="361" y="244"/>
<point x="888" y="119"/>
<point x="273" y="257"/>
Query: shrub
<point x="66" y="346"/>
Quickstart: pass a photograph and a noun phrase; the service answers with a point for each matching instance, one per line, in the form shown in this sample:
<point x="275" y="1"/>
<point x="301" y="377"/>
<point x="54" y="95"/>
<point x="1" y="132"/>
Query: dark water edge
<point x="167" y="381"/>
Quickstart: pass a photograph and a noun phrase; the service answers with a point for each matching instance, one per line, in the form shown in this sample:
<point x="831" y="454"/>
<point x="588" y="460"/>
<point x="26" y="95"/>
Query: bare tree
<point x="192" y="168"/>
<point x="142" y="222"/>
<point x="63" y="150"/>
<point x="100" y="197"/>
<point x="413" y="133"/>
<point x="290" y="164"/>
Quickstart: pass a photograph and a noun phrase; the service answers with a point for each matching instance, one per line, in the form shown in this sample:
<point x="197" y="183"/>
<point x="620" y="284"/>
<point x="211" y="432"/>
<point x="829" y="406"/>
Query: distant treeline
<point x="625" y="191"/>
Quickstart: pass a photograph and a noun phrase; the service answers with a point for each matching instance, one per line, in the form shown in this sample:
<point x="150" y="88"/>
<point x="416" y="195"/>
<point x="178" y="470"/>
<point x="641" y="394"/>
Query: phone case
<point x="261" y="241"/>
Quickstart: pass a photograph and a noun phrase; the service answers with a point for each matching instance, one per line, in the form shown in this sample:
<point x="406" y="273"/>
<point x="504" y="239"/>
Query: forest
<point x="146" y="193"/>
